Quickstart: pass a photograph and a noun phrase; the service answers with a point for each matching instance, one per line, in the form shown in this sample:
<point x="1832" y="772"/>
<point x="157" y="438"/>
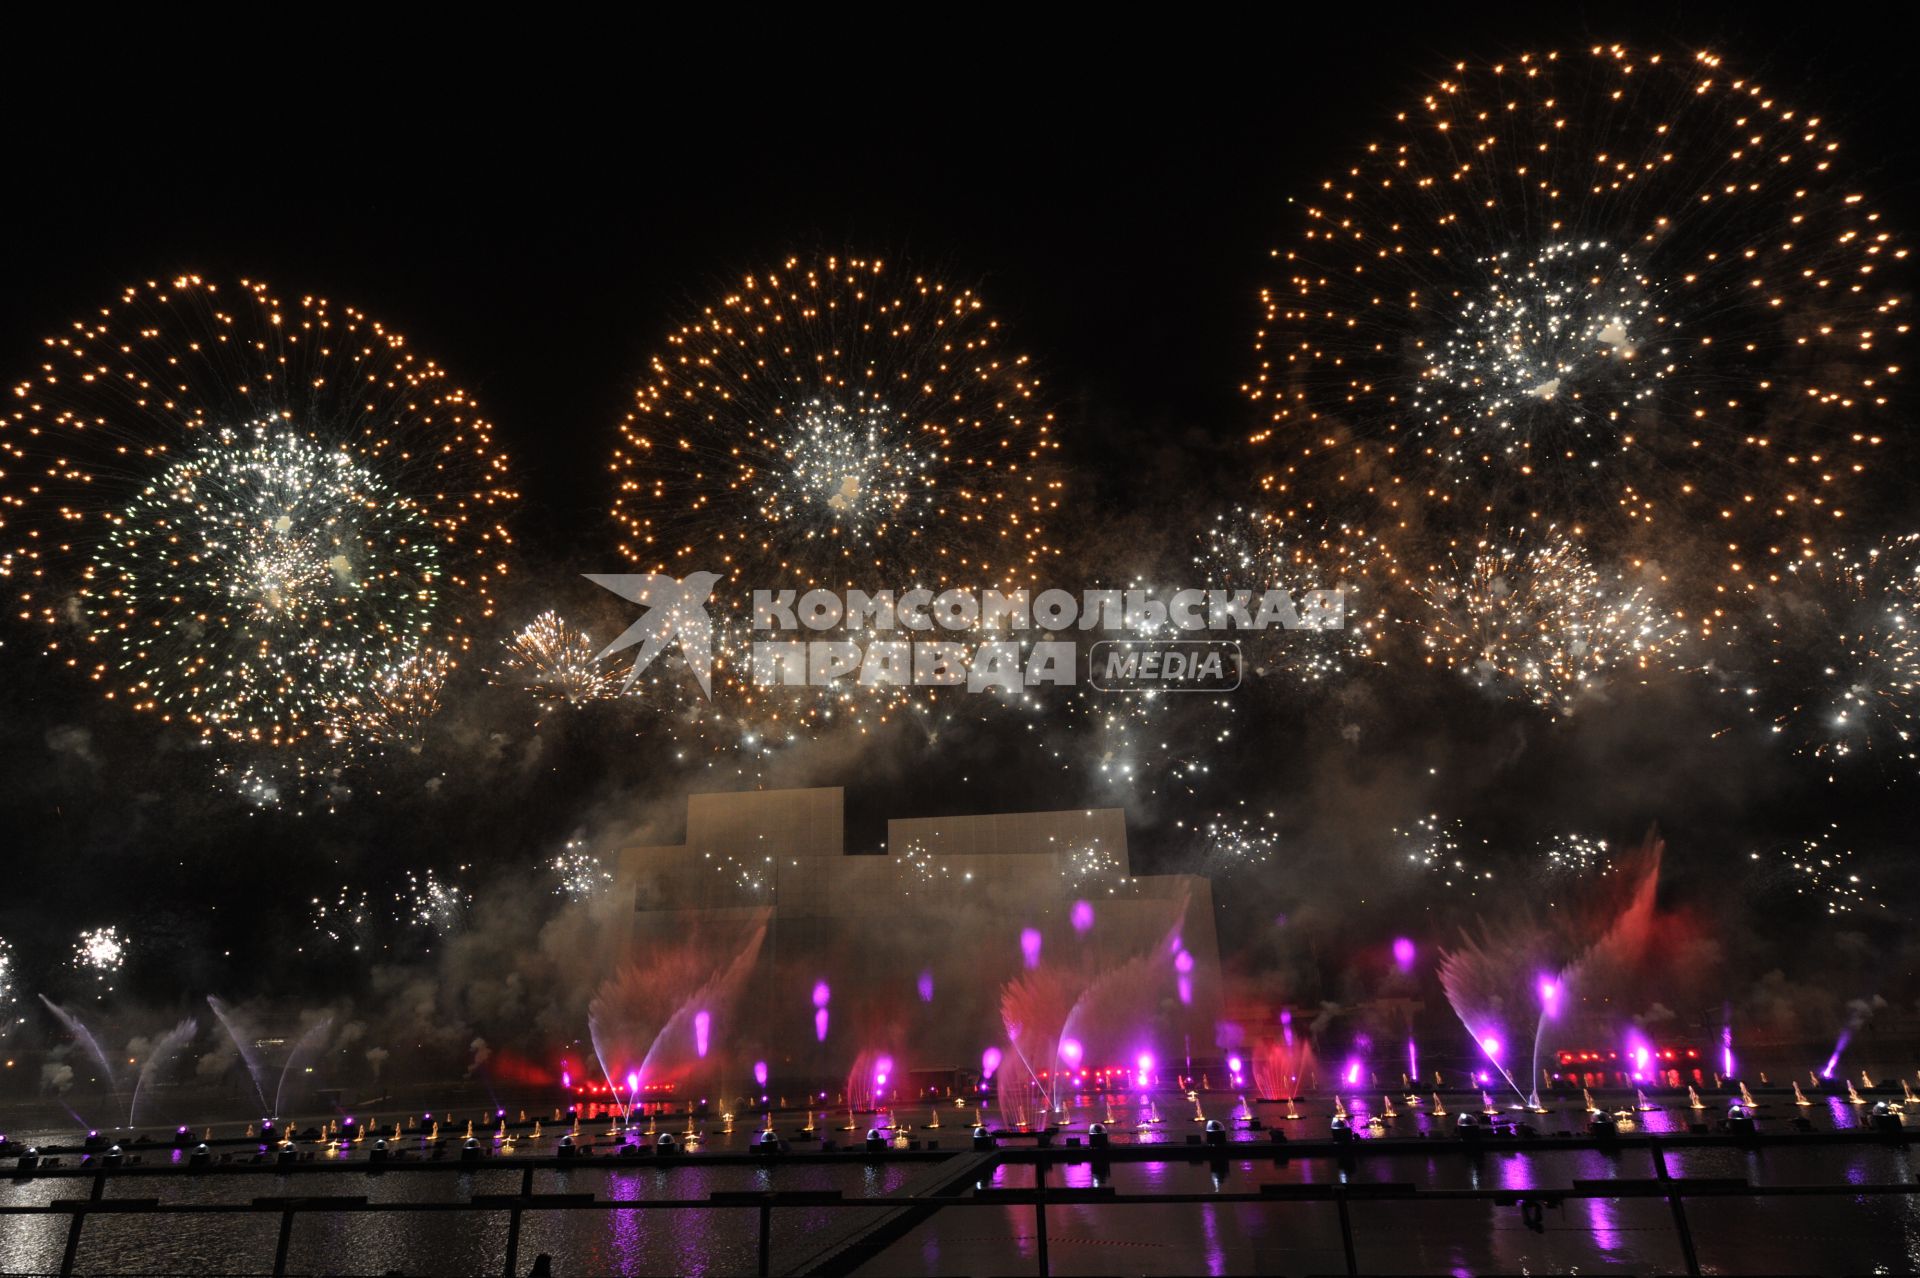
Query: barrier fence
<point x="964" y="1190"/>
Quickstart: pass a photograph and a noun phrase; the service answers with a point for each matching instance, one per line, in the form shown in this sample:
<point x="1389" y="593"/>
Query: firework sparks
<point x="920" y="868"/>
<point x="832" y="423"/>
<point x="579" y="872"/>
<point x="431" y="902"/>
<point x="555" y="664"/>
<point x="1093" y="866"/>
<point x="1576" y="856"/>
<point x="1535" y="617"/>
<point x="832" y="416"/>
<point x="239" y="512"/>
<point x="1247" y="550"/>
<point x="1567" y="278"/>
<point x="102" y="952"/>
<point x="1230" y="841"/>
<point x="1823" y="870"/>
<point x="1839" y="655"/>
<point x="9" y="994"/>
<point x="399" y="702"/>
<point x="346" y="920"/>
<point x="1443" y="850"/>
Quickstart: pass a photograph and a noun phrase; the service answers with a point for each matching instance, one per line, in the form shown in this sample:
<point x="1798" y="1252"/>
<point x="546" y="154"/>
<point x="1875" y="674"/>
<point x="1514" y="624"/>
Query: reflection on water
<point x="1854" y="1232"/>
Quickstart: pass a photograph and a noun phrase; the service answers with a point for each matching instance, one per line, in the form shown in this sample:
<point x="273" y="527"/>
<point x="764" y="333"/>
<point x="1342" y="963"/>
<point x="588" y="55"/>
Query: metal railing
<point x="969" y="1172"/>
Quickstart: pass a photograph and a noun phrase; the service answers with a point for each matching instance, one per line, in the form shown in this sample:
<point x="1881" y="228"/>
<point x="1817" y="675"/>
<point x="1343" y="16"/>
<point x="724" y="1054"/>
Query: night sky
<point x="539" y="238"/>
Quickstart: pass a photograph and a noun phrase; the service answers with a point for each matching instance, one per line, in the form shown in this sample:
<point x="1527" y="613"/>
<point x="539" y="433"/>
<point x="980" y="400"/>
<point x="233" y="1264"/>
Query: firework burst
<point x="1837" y="655"/>
<point x="555" y="664"/>
<point x="1444" y="851"/>
<point x="1249" y="550"/>
<point x="397" y="704"/>
<point x="240" y="511"/>
<point x="1229" y="841"/>
<point x="426" y="900"/>
<point x="102" y="952"/>
<point x="1576" y="856"/>
<point x="578" y="872"/>
<point x="347" y="919"/>
<point x="1533" y="617"/>
<point x="1822" y="869"/>
<point x="1564" y="280"/>
<point x="831" y="423"/>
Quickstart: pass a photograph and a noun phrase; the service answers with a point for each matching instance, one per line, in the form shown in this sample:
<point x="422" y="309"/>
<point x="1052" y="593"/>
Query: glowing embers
<point x="1544" y="356"/>
<point x="1532" y="616"/>
<point x="259" y="581"/>
<point x="852" y="468"/>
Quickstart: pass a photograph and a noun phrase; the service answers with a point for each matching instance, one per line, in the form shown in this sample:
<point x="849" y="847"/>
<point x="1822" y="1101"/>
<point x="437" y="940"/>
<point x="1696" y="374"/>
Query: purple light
<point x="760" y="1073"/>
<point x="882" y="1068"/>
<point x="926" y="986"/>
<point x="566" y="1081"/>
<point x="1030" y="946"/>
<point x="633" y="1082"/>
<point x="1186" y="990"/>
<point x="1403" y="954"/>
<point x="1549" y="993"/>
<point x="821" y="994"/>
<point x="1833" y="1061"/>
<point x="1183" y="962"/>
<point x="1641" y="1057"/>
<point x="1071" y="1051"/>
<point x="1353" y="1073"/>
<point x="989" y="1062"/>
<point x="1234" y="1064"/>
<point x="1726" y="1050"/>
<point x="820" y="1023"/>
<point x="702" y="1023"/>
<point x="1082" y="917"/>
<point x="1413" y="1062"/>
<point x="1491" y="1046"/>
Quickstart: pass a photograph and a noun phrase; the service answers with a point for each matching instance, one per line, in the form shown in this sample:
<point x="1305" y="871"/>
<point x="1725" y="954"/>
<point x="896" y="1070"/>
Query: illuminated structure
<point x="911" y="950"/>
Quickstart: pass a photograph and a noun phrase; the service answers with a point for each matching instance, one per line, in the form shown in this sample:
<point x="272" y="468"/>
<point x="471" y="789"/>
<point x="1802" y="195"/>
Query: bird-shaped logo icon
<point x="676" y="612"/>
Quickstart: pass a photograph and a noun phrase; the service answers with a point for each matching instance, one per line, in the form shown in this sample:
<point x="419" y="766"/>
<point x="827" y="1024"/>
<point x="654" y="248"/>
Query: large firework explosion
<point x="833" y="423"/>
<point x="1632" y="294"/>
<point x="1835" y="657"/>
<point x="242" y="511"/>
<point x="1531" y="616"/>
